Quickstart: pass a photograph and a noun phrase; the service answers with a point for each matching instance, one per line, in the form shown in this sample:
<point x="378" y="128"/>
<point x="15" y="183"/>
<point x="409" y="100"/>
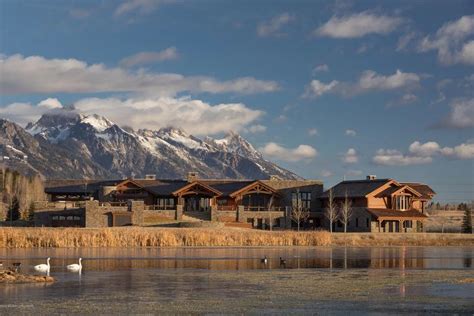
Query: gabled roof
<point x="355" y="188"/>
<point x="197" y="183"/>
<point x="227" y="187"/>
<point x="394" y="190"/>
<point x="259" y="184"/>
<point x="425" y="190"/>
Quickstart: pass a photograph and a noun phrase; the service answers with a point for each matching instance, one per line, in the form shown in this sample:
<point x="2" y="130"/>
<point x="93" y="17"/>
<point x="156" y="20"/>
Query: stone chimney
<point x="371" y="177"/>
<point x="150" y="177"/>
<point x="192" y="176"/>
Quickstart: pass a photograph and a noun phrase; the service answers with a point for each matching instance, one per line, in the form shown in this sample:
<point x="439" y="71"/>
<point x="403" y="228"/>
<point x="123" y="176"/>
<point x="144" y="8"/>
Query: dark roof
<point x="62" y="186"/>
<point x="388" y="191"/>
<point x="161" y="187"/>
<point x="425" y="190"/>
<point x="355" y="188"/>
<point x="227" y="187"/>
<point x="382" y="212"/>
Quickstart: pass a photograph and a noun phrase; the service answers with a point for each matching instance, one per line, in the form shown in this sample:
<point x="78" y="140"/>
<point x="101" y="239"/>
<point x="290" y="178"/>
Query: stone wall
<point x="137" y="208"/>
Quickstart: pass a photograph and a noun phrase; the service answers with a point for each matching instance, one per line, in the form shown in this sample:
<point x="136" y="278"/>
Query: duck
<point x="43" y="267"/>
<point x="16" y="266"/>
<point x="282" y="261"/>
<point x="264" y="260"/>
<point x="75" y="266"/>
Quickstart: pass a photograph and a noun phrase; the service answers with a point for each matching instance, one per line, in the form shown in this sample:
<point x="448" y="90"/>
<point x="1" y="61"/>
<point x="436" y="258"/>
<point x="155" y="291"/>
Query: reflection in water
<point x="247" y="258"/>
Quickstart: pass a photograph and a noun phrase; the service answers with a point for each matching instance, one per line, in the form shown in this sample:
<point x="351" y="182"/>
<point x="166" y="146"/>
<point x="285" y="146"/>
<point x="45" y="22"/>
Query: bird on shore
<point x="264" y="260"/>
<point x="43" y="267"/>
<point x="16" y="266"/>
<point x="75" y="267"/>
<point x="282" y="261"/>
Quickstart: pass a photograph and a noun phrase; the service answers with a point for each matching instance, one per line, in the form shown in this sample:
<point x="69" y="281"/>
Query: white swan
<point x="43" y="267"/>
<point x="75" y="266"/>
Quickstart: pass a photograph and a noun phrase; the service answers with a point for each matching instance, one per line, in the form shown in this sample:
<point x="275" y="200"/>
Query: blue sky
<point x="326" y="89"/>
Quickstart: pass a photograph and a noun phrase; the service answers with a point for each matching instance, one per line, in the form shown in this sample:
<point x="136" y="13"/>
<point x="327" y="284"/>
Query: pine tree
<point x="467" y="222"/>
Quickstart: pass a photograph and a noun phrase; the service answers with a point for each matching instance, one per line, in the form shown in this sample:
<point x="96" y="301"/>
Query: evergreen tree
<point x="467" y="222"/>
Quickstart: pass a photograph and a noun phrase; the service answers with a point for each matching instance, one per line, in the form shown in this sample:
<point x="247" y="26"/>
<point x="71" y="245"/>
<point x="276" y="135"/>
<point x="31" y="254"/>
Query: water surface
<point x="233" y="280"/>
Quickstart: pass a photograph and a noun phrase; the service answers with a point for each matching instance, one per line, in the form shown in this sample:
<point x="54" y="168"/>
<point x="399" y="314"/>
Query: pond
<point x="334" y="280"/>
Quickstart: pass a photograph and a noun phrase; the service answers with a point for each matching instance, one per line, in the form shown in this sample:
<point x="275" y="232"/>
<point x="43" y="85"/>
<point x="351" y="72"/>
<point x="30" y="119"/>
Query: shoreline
<point x="145" y="237"/>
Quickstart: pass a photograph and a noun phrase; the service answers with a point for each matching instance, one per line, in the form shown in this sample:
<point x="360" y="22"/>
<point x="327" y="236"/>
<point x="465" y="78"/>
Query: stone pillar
<point x="241" y="218"/>
<point x="179" y="212"/>
<point x="214" y="217"/>
<point x="93" y="216"/>
<point x="137" y="208"/>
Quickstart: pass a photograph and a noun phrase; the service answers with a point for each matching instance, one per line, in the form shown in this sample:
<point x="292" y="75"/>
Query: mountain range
<point x="65" y="144"/>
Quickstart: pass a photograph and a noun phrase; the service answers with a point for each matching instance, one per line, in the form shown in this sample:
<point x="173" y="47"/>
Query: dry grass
<point x="210" y="237"/>
<point x="154" y="237"/>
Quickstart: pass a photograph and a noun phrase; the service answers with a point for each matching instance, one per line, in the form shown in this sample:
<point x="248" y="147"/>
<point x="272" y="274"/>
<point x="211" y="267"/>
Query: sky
<point x="329" y="90"/>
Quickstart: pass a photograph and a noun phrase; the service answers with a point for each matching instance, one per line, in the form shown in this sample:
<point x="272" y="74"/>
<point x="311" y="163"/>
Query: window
<point x="407" y="224"/>
<point x="302" y="197"/>
<point x="357" y="222"/>
<point x="165" y="202"/>
<point x="367" y="222"/>
<point x="402" y="202"/>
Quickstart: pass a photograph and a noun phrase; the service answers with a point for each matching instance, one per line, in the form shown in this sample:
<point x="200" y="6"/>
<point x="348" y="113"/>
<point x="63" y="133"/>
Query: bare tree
<point x="331" y="210"/>
<point x="299" y="213"/>
<point x="346" y="211"/>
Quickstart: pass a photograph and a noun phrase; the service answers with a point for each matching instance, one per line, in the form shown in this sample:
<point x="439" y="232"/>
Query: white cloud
<point x="144" y="58"/>
<point x="312" y="132"/>
<point x="405" y="40"/>
<point x="354" y="173"/>
<point x="392" y="157"/>
<point x="350" y="132"/>
<point x="317" y="88"/>
<point x="195" y="116"/>
<point x="350" y="156"/>
<point x="461" y="115"/>
<point x="427" y="149"/>
<point x="420" y="153"/>
<point x="273" y="27"/>
<point x="302" y="152"/>
<point x="368" y="81"/>
<point x="36" y="74"/>
<point x="321" y="68"/>
<point x="449" y="42"/>
<point x="257" y="128"/>
<point x="405" y="99"/>
<point x="23" y="113"/>
<point x="139" y="6"/>
<point x="358" y="25"/>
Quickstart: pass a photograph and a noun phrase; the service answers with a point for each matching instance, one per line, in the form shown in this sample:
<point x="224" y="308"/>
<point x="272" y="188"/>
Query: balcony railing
<point x="160" y="207"/>
<point x="264" y="209"/>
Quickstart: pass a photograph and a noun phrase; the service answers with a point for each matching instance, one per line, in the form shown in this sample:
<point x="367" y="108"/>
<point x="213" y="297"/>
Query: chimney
<point x="371" y="177"/>
<point x="150" y="177"/>
<point x="192" y="176"/>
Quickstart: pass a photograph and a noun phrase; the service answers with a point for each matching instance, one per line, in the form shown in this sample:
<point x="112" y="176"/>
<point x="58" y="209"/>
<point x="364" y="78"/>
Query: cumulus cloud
<point x="354" y="173"/>
<point x="137" y="6"/>
<point x="195" y="116"/>
<point x="358" y="25"/>
<point x="321" y="68"/>
<point x="368" y="81"/>
<point x="350" y="132"/>
<point x="460" y="116"/>
<point x="317" y="88"/>
<point x="350" y="156"/>
<point x="274" y="26"/>
<point x="451" y="42"/>
<point x="36" y="74"/>
<point x="420" y="153"/>
<point x="144" y="58"/>
<point x="23" y="113"/>
<point x="326" y="173"/>
<point x="392" y="157"/>
<point x="276" y="151"/>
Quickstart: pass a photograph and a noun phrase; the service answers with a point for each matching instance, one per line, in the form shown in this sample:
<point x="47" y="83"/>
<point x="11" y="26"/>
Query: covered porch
<point x="395" y="221"/>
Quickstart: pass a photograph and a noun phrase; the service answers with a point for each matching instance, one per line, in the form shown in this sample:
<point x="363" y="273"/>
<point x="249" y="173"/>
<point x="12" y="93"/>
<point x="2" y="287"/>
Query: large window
<point x="302" y="197"/>
<point x="165" y="203"/>
<point x="402" y="202"/>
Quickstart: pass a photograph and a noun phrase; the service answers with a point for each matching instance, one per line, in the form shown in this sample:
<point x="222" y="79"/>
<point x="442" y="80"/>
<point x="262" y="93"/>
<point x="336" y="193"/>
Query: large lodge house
<point x="379" y="205"/>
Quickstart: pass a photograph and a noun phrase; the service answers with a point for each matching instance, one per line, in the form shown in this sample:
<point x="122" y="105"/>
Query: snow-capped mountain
<point x="66" y="144"/>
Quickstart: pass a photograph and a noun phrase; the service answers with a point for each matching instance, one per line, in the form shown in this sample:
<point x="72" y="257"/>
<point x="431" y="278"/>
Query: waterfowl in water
<point x="43" y="267"/>
<point x="282" y="261"/>
<point x="264" y="260"/>
<point x="16" y="266"/>
<point x="75" y="266"/>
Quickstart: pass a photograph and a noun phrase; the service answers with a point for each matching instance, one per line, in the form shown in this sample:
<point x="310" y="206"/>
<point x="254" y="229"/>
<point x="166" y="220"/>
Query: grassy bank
<point x="219" y="237"/>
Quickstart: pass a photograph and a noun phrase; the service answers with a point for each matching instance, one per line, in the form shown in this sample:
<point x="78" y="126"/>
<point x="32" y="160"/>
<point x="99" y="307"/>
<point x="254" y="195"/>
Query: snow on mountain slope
<point x="167" y="152"/>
